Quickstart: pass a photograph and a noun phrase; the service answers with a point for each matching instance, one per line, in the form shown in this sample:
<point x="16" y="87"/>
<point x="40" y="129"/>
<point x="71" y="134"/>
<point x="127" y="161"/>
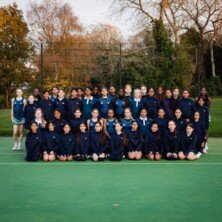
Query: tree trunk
<point x="200" y="74"/>
<point x="212" y="59"/>
<point x="7" y="92"/>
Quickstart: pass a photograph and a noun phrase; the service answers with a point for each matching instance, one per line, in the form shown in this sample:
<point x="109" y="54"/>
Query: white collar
<point x="142" y="118"/>
<point x="90" y="98"/>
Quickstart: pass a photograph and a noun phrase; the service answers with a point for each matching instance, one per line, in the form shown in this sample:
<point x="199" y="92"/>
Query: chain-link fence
<point x="91" y="63"/>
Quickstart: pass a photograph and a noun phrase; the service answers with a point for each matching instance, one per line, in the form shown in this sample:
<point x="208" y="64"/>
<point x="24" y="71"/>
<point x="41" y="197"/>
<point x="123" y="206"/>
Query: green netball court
<point x="110" y="191"/>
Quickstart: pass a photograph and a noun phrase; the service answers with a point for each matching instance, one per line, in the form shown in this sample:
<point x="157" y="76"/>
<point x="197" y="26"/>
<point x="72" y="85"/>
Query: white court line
<point x="24" y="149"/>
<point x="109" y="163"/>
<point x="18" y="153"/>
<point x="25" y="153"/>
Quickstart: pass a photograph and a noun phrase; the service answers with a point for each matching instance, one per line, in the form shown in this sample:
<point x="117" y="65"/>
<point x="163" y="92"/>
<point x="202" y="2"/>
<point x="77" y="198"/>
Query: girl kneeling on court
<point x="134" y="142"/>
<point x="98" y="143"/>
<point x="188" y="144"/>
<point x="50" y="142"/>
<point x="33" y="143"/>
<point x="82" y="143"/>
<point x="199" y="130"/>
<point x="171" y="141"/>
<point x="66" y="144"/>
<point x="153" y="144"/>
<point x="118" y="141"/>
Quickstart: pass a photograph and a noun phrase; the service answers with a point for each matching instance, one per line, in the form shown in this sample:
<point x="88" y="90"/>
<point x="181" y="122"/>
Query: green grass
<point x="216" y="118"/>
<point x="215" y="127"/>
<point x="109" y="191"/>
<point x="5" y="122"/>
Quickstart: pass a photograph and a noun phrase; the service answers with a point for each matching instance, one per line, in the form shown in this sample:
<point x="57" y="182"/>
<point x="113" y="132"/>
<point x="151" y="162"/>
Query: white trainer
<point x="198" y="155"/>
<point x="204" y="151"/>
<point x="14" y="147"/>
<point x="19" y="146"/>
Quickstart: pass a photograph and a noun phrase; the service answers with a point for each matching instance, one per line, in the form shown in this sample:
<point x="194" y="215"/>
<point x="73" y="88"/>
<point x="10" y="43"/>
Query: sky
<point x="90" y="12"/>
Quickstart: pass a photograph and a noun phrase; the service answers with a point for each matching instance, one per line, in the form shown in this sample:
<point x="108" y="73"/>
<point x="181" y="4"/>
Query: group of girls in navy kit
<point x="89" y="124"/>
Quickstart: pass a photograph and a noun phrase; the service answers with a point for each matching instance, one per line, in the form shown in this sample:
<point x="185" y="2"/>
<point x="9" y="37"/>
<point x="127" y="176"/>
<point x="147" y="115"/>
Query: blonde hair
<point x="128" y="85"/>
<point x="43" y="120"/>
<point x="136" y="90"/>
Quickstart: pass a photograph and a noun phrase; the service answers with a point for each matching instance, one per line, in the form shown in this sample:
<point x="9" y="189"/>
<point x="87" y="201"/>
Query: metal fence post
<point x="41" y="66"/>
<point x="120" y="65"/>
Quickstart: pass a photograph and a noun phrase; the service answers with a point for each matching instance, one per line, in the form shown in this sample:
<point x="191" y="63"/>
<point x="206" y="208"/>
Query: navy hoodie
<point x="153" y="142"/>
<point x="187" y="107"/>
<point x="199" y="129"/>
<point x="62" y="106"/>
<point x="162" y="124"/>
<point x="29" y="114"/>
<point x="33" y="145"/>
<point x="95" y="144"/>
<point x="167" y="105"/>
<point x="73" y="104"/>
<point x="188" y="143"/>
<point x="181" y="125"/>
<point x="134" y="141"/>
<point x="117" y="146"/>
<point x="151" y="104"/>
<point x="50" y="141"/>
<point x="59" y="124"/>
<point x="171" y="141"/>
<point x="75" y="123"/>
<point x="204" y="115"/>
<point x="47" y="107"/>
<point x="82" y="146"/>
<point x="66" y="144"/>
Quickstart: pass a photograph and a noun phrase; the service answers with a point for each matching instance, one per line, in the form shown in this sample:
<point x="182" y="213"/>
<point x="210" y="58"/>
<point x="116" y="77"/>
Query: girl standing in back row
<point x="18" y="118"/>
